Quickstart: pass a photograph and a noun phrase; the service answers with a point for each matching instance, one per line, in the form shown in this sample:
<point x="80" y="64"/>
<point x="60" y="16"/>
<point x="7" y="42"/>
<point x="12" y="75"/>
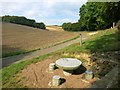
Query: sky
<point x="51" y="12"/>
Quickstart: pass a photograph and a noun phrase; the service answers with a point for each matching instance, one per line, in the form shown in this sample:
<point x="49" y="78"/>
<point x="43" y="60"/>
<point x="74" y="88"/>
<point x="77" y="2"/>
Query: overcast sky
<point x="51" y="12"/>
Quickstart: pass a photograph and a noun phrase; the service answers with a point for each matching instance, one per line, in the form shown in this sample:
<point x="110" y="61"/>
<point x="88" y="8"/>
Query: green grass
<point x="9" y="72"/>
<point x="107" y="40"/>
<point x="18" y="53"/>
<point x="67" y="40"/>
<point x="28" y="51"/>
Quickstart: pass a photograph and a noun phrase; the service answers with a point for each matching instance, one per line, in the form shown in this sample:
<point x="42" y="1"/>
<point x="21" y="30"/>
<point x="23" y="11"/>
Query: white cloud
<point x="48" y="11"/>
<point x="60" y="0"/>
<point x="66" y="20"/>
<point x="9" y="7"/>
<point x="43" y="0"/>
<point x="30" y="13"/>
<point x="56" y="21"/>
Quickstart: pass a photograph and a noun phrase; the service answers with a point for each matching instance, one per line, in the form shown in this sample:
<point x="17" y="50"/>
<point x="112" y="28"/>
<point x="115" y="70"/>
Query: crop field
<point x="16" y="38"/>
<point x="54" y="28"/>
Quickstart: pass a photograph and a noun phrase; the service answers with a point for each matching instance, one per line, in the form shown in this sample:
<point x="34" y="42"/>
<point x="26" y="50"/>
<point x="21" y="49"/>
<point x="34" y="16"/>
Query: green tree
<point x="23" y="21"/>
<point x="99" y="15"/>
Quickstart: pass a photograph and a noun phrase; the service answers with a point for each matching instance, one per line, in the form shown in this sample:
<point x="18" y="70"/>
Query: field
<point x="18" y="38"/>
<point x="54" y="28"/>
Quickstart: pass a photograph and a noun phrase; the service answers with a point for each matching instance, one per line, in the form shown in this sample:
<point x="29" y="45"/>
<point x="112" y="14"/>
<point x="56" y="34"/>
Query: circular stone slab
<point x="68" y="63"/>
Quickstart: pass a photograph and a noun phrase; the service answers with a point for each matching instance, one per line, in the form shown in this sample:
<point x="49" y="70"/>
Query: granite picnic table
<point x="68" y="65"/>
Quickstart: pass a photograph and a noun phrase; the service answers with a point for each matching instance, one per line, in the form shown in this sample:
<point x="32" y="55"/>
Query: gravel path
<point x="15" y="59"/>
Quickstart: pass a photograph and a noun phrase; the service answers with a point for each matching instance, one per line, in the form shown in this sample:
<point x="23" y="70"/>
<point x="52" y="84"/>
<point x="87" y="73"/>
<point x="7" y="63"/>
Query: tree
<point x="99" y="15"/>
<point x="23" y="21"/>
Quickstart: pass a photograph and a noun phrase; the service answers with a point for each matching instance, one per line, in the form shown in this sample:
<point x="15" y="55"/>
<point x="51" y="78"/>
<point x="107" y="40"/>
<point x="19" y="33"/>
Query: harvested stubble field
<point x="17" y="38"/>
<point x="54" y="28"/>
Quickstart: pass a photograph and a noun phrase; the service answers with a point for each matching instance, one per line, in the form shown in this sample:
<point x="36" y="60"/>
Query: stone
<point x="77" y="56"/>
<point x="67" y="73"/>
<point x="66" y="54"/>
<point x="51" y="66"/>
<point x="56" y="80"/>
<point x="113" y="24"/>
<point x="85" y="64"/>
<point x="108" y="80"/>
<point x="68" y="63"/>
<point x="88" y="75"/>
<point x="102" y="54"/>
<point x="116" y="52"/>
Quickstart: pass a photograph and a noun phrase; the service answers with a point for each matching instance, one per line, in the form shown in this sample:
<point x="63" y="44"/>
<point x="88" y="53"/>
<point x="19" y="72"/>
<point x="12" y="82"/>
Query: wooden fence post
<point x="80" y="39"/>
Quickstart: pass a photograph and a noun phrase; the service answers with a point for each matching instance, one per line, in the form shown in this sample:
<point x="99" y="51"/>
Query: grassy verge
<point x="67" y="41"/>
<point x="9" y="72"/>
<point x="107" y="40"/>
<point x="28" y="51"/>
<point x="103" y="41"/>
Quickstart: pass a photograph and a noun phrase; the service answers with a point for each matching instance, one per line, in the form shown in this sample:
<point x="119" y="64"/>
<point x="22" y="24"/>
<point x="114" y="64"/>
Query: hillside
<point x="54" y="28"/>
<point x="19" y="38"/>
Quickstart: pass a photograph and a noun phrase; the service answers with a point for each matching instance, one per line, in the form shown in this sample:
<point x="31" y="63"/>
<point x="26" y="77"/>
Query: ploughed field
<point x="17" y="38"/>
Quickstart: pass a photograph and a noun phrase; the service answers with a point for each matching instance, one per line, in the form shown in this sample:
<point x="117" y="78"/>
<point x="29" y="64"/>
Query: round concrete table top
<point x="68" y="63"/>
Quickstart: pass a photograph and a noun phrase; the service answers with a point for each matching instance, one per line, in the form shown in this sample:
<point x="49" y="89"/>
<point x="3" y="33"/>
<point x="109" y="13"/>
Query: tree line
<point x="23" y="21"/>
<point x="95" y="16"/>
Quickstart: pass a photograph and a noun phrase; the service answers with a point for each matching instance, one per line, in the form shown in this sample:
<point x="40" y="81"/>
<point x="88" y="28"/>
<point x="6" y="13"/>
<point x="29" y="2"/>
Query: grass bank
<point x="107" y="40"/>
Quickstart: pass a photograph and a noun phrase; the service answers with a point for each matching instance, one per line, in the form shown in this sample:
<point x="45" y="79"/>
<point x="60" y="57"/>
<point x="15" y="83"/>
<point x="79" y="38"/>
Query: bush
<point x="71" y="26"/>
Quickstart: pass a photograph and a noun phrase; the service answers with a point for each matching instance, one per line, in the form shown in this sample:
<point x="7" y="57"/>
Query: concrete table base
<point x="67" y="72"/>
